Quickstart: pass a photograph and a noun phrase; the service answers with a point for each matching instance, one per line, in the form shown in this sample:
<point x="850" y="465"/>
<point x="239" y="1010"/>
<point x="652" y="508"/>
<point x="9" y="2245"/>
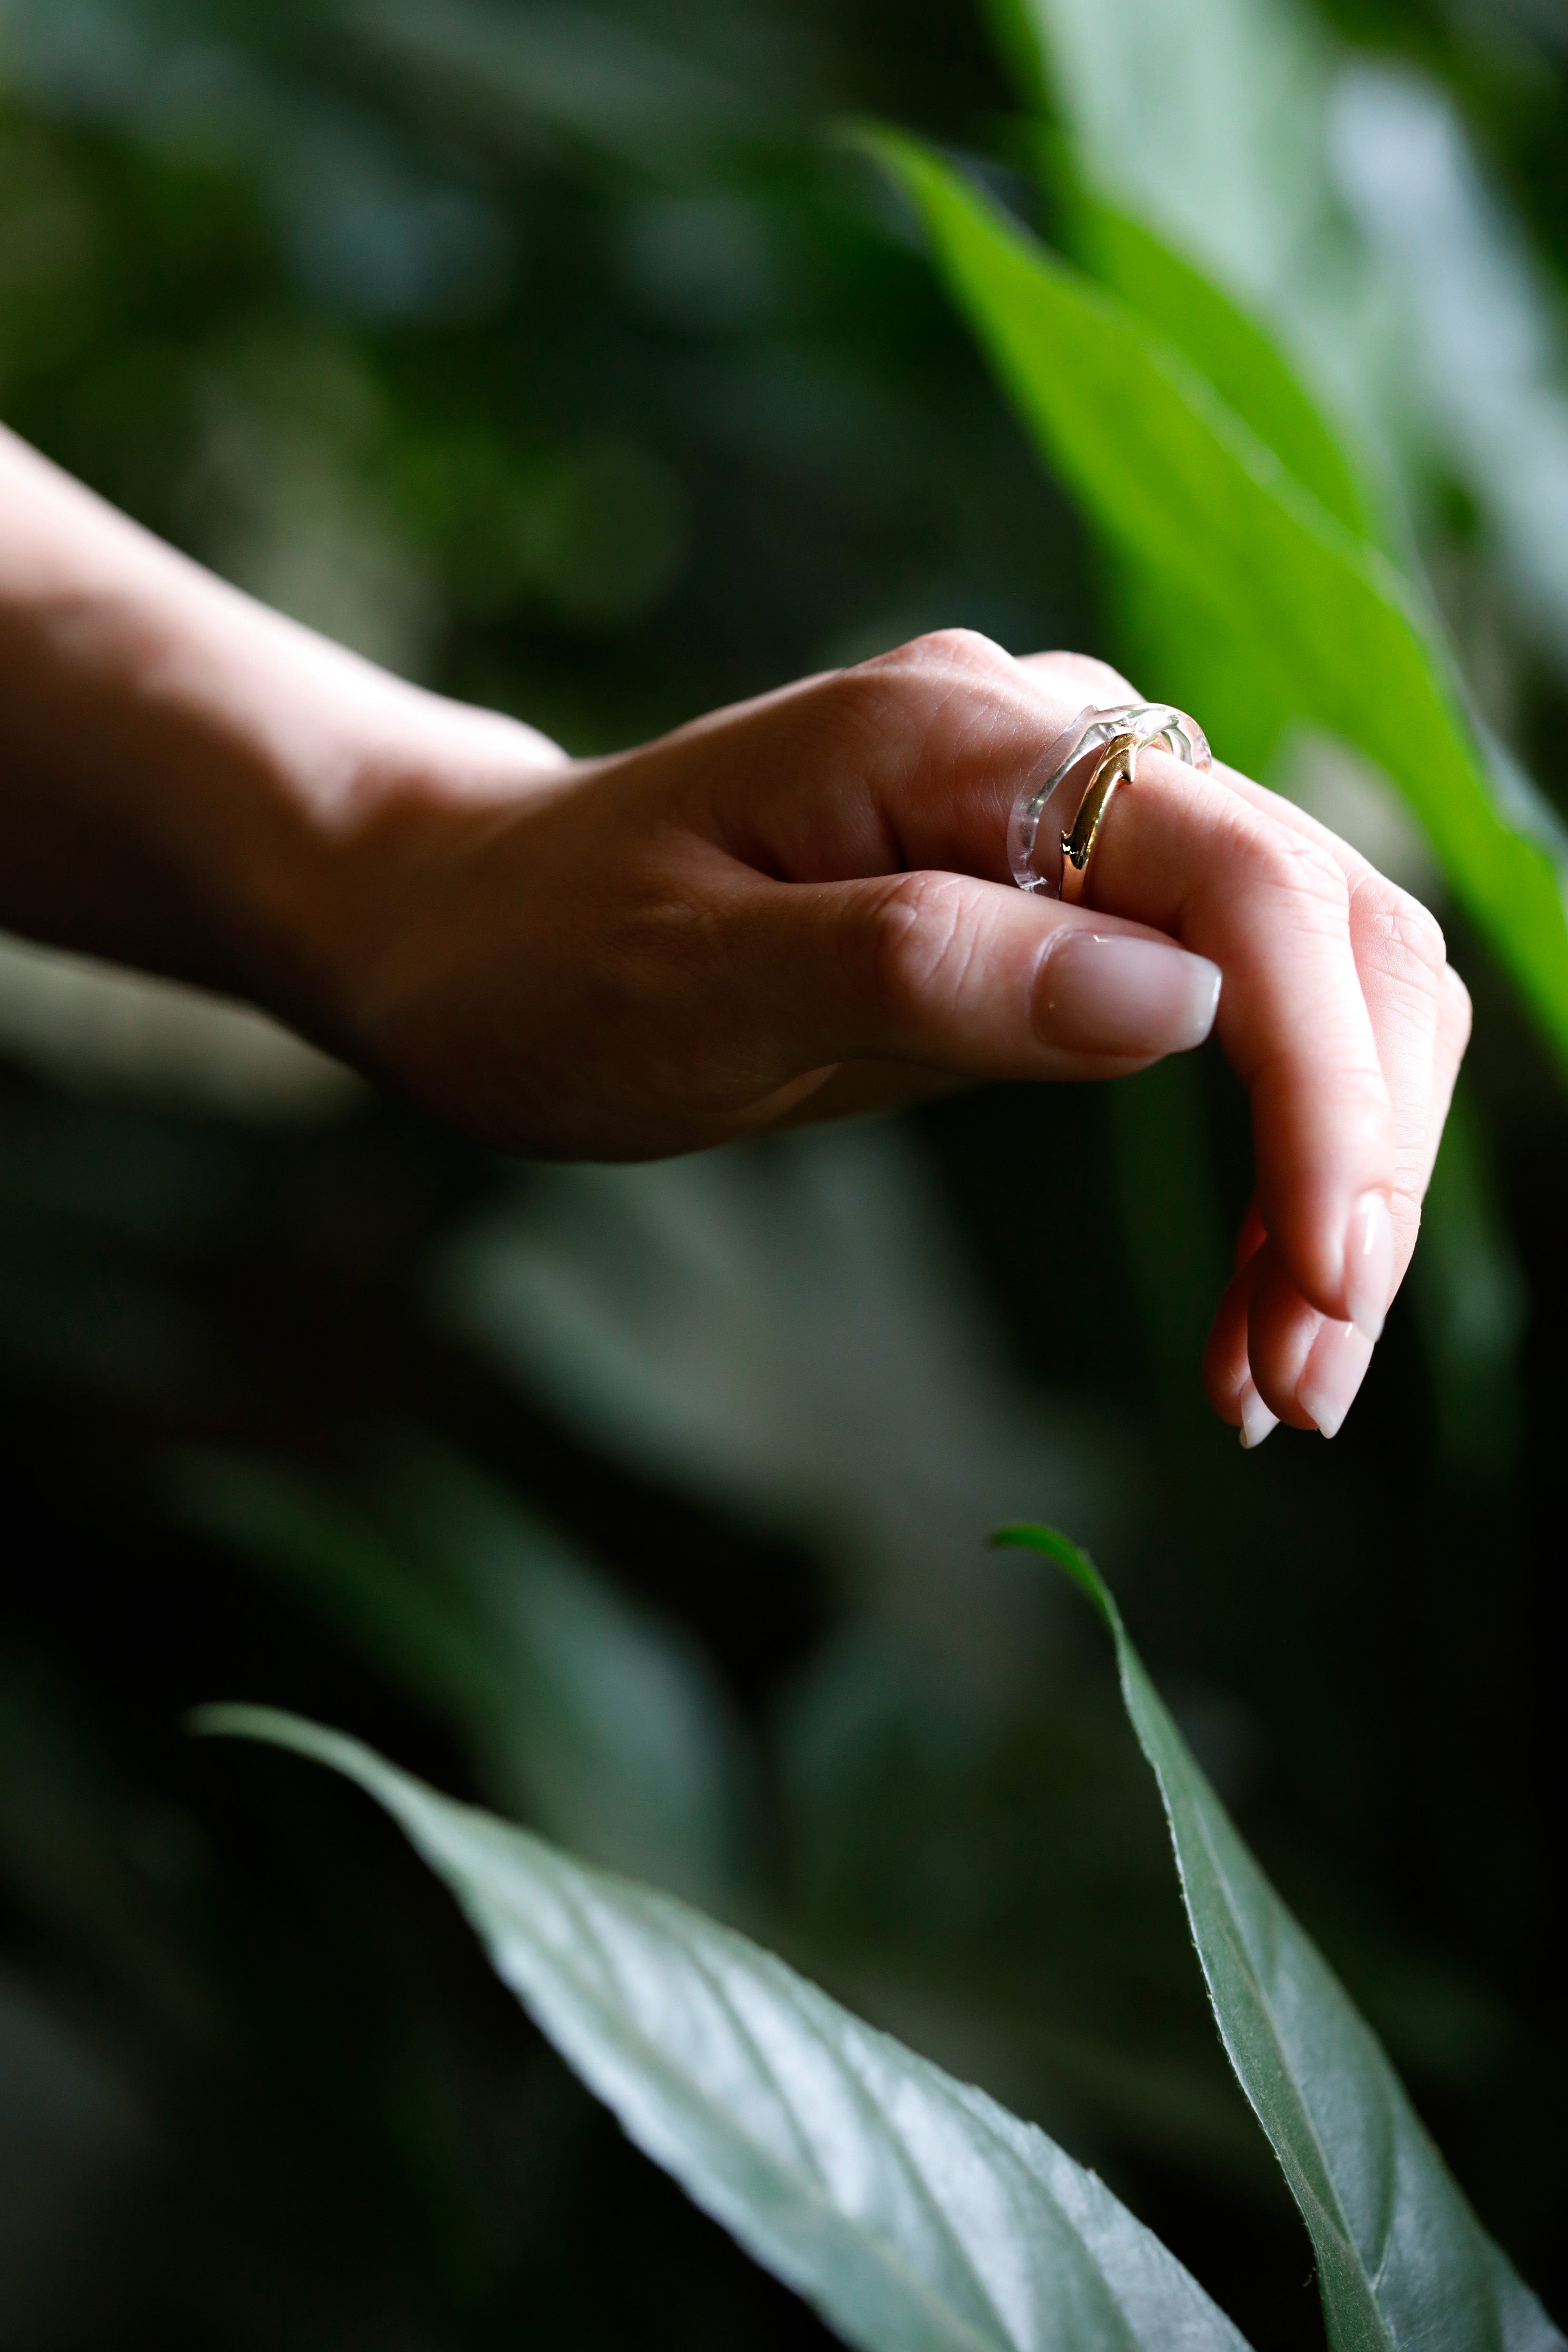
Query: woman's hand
<point x="801" y="907"/>
<point x="789" y="910"/>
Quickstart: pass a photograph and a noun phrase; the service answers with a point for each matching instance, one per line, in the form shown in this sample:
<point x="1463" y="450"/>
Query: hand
<point x="800" y="907"/>
<point x="788" y="910"/>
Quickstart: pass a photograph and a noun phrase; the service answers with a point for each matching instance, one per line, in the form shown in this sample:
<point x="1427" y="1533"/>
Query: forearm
<point x="185" y="776"/>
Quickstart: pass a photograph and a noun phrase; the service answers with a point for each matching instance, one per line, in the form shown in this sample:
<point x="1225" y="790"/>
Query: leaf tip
<point x="219" y="1719"/>
<point x="1026" y="1536"/>
<point x="235" y="1719"/>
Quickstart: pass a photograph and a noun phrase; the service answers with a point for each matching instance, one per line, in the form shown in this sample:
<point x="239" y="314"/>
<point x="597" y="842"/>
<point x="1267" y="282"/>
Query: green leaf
<point x="1224" y="344"/>
<point x="1017" y="37"/>
<point x="912" y="2212"/>
<point x="1403" y="2262"/>
<point x="1229" y="161"/>
<point x="1246" y="692"/>
<point x="577" y="1706"/>
<point x="1317" y="626"/>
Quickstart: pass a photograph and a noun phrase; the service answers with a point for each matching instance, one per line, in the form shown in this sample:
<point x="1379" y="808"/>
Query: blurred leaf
<point x="1016" y="34"/>
<point x="589" y="1712"/>
<point x="1230" y="164"/>
<point x="784" y="1327"/>
<point x="1230" y="349"/>
<point x="1316" y="621"/>
<point x="913" y="2212"/>
<point x="1343" y="199"/>
<point x="1402" y="2259"/>
<point x="574" y="72"/>
<point x="1474" y="318"/>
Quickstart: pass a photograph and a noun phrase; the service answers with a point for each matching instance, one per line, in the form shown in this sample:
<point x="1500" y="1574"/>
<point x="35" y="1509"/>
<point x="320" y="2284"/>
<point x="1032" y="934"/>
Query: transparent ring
<point x="1045" y="814"/>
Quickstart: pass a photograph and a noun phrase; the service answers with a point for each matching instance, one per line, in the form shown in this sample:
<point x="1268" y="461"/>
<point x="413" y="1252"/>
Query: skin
<point x="789" y="910"/>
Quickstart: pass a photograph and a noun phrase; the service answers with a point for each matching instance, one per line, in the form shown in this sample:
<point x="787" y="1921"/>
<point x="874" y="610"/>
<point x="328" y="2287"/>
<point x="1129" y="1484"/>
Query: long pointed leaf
<point x="1404" y="2265"/>
<point x="916" y="2214"/>
<point x="1184" y="489"/>
<point x="1224" y="343"/>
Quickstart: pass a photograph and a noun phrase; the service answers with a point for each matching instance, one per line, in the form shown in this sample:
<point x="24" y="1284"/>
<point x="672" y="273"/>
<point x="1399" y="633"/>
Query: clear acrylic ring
<point x="1045" y="809"/>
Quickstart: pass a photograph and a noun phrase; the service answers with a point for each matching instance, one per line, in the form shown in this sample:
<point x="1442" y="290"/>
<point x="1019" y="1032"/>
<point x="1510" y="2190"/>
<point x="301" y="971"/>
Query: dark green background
<point x="604" y="410"/>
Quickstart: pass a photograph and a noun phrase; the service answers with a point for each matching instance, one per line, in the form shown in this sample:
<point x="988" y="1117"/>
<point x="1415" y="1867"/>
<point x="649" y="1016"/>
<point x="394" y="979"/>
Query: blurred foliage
<point x="1259" y="604"/>
<point x="555" y="355"/>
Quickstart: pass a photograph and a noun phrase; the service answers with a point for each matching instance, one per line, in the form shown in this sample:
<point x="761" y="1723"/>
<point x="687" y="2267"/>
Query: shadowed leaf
<point x="1403" y="2262"/>
<point x="915" y="2213"/>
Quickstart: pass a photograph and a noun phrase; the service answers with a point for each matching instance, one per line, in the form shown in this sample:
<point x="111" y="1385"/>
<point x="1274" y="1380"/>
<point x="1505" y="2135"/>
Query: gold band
<point x="1110" y="741"/>
<point x="1116" y="763"/>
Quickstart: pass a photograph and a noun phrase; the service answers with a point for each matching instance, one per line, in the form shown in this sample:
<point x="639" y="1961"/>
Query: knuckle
<point x="864" y="724"/>
<point x="1095" y="679"/>
<point x="914" y="941"/>
<point x="1276" y="858"/>
<point x="1314" y="871"/>
<point x="964" y="649"/>
<point x="1405" y="936"/>
<point x="917" y="681"/>
<point x="927" y="715"/>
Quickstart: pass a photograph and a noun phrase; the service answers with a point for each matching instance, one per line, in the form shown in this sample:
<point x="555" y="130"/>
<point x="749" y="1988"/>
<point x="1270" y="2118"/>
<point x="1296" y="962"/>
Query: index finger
<point x="1402" y="959"/>
<point x="1272" y="906"/>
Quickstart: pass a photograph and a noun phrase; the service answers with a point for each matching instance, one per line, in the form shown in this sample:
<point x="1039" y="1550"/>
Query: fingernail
<point x="1108" y="993"/>
<point x="1369" y="1264"/>
<point x="1334" y="1371"/>
<point x="1257" y="1422"/>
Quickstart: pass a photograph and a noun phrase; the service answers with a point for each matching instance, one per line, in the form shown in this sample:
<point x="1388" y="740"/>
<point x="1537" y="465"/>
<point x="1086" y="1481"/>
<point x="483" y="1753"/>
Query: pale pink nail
<point x="1369" y="1264"/>
<point x="1334" y="1371"/>
<point x="1104" y="993"/>
<point x="1257" y="1422"/>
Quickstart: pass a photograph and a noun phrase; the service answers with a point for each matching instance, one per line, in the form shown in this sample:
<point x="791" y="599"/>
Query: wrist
<point x="380" y="802"/>
<point x="192" y="784"/>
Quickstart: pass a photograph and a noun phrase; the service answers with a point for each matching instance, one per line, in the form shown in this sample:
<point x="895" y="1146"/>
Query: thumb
<point x="969" y="977"/>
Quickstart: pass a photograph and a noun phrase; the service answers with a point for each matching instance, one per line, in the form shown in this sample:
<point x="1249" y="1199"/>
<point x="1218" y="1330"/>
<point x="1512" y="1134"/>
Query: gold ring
<point x="1118" y="763"/>
<point x="1044" y="857"/>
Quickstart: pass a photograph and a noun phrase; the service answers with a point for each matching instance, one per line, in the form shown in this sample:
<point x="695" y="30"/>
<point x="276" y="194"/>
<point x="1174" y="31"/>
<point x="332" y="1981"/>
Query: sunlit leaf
<point x="1189" y="495"/>
<point x="913" y="2212"/>
<point x="1244" y="688"/>
<point x="1229" y="162"/>
<point x="1225" y="345"/>
<point x="1403" y="2262"/>
<point x="1343" y="200"/>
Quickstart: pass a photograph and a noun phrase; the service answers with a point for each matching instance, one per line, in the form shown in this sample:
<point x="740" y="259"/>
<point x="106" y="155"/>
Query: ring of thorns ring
<point x="1082" y="771"/>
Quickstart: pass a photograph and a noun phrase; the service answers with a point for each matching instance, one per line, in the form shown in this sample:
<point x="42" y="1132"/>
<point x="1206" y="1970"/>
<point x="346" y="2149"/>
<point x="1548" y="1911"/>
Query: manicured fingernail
<point x="1334" y="1371"/>
<point x="1104" y="993"/>
<point x="1369" y="1264"/>
<point x="1257" y="1422"/>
